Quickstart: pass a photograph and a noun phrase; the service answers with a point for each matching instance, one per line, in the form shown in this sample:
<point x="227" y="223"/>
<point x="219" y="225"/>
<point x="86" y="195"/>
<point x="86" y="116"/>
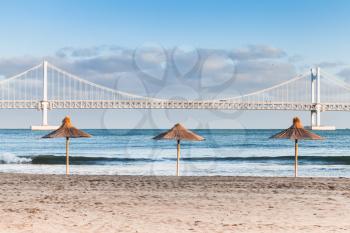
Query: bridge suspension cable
<point x="334" y="90"/>
<point x="97" y="92"/>
<point x="288" y="91"/>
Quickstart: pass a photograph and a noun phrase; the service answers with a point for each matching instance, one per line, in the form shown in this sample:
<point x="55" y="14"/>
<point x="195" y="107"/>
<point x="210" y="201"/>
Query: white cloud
<point x="250" y="68"/>
<point x="328" y="64"/>
<point x="345" y="73"/>
<point x="217" y="70"/>
<point x="253" y="52"/>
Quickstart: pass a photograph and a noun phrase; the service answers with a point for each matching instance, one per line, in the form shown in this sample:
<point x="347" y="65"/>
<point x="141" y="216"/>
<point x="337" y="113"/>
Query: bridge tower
<point x="316" y="101"/>
<point x="316" y="97"/>
<point x="44" y="104"/>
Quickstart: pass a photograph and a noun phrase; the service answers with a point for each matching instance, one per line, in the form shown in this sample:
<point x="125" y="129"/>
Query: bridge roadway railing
<point x="170" y="104"/>
<point x="181" y="104"/>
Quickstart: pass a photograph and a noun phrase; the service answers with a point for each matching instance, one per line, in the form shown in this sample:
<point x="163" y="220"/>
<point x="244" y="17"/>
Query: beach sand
<point x="53" y="203"/>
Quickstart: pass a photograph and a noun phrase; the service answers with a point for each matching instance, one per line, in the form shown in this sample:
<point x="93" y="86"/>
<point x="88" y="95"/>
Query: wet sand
<point x="53" y="203"/>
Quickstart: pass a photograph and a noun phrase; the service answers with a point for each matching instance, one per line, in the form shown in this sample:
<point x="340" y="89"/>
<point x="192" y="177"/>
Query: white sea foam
<point x="9" y="158"/>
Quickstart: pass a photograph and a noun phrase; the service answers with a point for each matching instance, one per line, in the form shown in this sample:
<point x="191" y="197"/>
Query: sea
<point x="225" y="152"/>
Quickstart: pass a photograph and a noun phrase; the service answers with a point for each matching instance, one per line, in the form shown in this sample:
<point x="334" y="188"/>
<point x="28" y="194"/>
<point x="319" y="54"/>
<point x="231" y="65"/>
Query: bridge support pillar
<point x="318" y="118"/>
<point x="44" y="104"/>
<point x="316" y="101"/>
<point x="44" y="114"/>
<point x="315" y="97"/>
<point x="315" y="118"/>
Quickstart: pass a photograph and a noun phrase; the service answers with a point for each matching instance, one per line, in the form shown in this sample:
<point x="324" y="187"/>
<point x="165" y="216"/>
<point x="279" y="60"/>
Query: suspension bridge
<point x="45" y="87"/>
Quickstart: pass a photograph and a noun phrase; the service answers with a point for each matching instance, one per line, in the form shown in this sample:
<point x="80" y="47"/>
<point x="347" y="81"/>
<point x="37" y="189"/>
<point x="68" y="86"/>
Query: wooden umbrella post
<point x="296" y="159"/>
<point x="178" y="158"/>
<point x="178" y="133"/>
<point x="296" y="132"/>
<point x="67" y="130"/>
<point x="67" y="156"/>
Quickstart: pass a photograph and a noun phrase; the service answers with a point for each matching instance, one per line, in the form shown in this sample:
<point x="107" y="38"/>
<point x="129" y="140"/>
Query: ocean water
<point x="133" y="152"/>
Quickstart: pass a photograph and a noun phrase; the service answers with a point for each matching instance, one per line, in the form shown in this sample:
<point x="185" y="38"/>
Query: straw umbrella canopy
<point x="296" y="132"/>
<point x="67" y="130"/>
<point x="178" y="133"/>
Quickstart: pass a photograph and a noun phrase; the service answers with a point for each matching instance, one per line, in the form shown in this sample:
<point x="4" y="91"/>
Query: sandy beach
<point x="53" y="203"/>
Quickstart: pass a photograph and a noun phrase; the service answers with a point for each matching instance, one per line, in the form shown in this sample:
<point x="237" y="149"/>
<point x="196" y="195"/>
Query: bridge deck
<point x="143" y="104"/>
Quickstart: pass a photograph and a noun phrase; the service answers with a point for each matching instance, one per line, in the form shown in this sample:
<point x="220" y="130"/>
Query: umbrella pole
<point x="178" y="158"/>
<point x="296" y="159"/>
<point x="67" y="156"/>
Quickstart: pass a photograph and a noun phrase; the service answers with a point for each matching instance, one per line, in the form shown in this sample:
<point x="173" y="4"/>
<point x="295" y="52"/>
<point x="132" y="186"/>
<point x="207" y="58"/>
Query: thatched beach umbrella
<point x="296" y="132"/>
<point x="178" y="133"/>
<point x="67" y="130"/>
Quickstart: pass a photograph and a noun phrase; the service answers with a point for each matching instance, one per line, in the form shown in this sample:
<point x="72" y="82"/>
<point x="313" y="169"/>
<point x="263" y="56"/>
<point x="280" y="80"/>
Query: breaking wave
<point x="8" y="158"/>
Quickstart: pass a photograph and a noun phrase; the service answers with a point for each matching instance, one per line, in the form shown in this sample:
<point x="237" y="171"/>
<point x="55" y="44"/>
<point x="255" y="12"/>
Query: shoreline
<point x="174" y="176"/>
<point x="109" y="203"/>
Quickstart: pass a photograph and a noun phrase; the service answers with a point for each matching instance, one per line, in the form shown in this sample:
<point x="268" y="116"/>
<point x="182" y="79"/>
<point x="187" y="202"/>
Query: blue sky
<point x="295" y="35"/>
<point x="312" y="27"/>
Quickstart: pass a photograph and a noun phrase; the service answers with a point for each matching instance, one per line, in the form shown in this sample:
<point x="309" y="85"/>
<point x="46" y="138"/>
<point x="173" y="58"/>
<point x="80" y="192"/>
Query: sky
<point x="183" y="49"/>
